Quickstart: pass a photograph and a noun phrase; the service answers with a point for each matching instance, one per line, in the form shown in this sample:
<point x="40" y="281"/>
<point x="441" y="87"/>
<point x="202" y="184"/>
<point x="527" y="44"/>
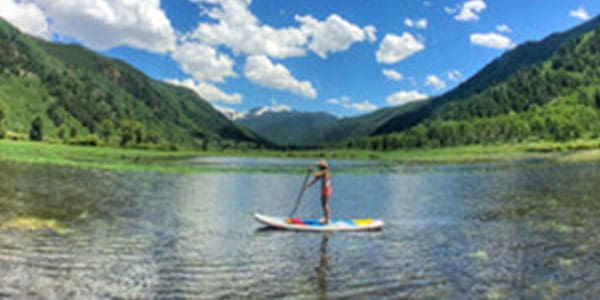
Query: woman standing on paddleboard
<point x="326" y="191"/>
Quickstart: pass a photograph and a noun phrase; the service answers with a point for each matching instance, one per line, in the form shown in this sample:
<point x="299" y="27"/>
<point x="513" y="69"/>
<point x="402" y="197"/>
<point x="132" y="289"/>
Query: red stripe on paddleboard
<point x="295" y="221"/>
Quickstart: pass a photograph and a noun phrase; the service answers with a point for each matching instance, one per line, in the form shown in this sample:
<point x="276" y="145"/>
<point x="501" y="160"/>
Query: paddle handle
<point x="300" y="194"/>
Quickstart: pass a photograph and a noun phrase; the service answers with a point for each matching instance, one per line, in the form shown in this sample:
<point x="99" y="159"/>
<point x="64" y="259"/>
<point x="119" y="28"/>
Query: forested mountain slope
<point x="79" y="92"/>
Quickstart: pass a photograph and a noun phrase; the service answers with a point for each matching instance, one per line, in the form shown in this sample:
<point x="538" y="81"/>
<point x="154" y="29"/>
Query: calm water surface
<point x="488" y="231"/>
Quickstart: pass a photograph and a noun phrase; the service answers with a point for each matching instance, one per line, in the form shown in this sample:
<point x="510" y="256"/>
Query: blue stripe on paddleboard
<point x="312" y="223"/>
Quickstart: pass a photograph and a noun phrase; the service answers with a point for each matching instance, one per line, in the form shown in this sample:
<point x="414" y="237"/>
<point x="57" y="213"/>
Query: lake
<point x="527" y="229"/>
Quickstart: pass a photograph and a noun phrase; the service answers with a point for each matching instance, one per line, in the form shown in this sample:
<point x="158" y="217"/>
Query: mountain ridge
<point x="73" y="87"/>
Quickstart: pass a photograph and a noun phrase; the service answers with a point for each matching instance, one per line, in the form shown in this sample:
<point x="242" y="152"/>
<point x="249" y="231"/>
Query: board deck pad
<point x="315" y="225"/>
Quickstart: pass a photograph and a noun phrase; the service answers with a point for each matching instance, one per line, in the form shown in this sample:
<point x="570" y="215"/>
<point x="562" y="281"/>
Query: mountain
<point x="286" y="127"/>
<point x="76" y="90"/>
<point x="555" y="99"/>
<point x="500" y="69"/>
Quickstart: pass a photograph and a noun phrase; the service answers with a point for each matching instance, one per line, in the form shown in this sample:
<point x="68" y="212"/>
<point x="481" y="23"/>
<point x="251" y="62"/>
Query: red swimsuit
<point x="326" y="191"/>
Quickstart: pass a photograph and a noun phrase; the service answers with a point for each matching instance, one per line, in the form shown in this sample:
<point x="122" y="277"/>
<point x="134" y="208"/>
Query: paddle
<point x="301" y="193"/>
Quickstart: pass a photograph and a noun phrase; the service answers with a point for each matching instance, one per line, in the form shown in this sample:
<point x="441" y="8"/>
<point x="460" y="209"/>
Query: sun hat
<point x="323" y="164"/>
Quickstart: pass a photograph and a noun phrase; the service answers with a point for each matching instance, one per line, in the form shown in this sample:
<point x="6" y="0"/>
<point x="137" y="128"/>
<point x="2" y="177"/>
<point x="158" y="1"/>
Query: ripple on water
<point x="478" y="232"/>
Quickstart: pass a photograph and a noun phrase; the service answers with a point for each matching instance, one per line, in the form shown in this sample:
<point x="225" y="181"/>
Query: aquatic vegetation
<point x="494" y="294"/>
<point x="481" y="255"/>
<point x="32" y="224"/>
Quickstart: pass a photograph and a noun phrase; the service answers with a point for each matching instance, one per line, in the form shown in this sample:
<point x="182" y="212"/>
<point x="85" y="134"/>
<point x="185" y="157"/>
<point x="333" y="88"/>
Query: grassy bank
<point x="178" y="161"/>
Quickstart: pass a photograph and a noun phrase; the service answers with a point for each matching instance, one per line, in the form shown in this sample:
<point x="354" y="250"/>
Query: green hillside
<point x="78" y="93"/>
<point x="365" y="125"/>
<point x="555" y="100"/>
<point x="497" y="71"/>
<point x="290" y="128"/>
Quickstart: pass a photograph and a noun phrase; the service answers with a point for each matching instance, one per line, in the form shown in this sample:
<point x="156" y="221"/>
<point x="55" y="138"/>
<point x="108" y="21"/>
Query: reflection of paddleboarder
<point x="322" y="270"/>
<point x="326" y="191"/>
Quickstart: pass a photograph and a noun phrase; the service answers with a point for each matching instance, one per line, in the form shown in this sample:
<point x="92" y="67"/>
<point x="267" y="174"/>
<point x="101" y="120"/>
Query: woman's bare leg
<point x="325" y="204"/>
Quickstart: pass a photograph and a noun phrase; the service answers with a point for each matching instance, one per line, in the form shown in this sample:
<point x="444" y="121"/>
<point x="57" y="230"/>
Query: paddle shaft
<point x="300" y="194"/>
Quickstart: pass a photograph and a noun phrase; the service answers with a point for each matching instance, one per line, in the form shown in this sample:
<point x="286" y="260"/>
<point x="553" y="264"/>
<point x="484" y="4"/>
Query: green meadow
<point x="119" y="159"/>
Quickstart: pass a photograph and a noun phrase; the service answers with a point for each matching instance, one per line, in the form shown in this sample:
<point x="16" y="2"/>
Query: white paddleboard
<point x="314" y="225"/>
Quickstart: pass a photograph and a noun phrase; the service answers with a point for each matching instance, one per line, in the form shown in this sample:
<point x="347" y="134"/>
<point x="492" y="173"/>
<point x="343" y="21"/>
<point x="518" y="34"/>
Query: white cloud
<point x="241" y="31"/>
<point x="392" y="75"/>
<point x="395" y="48"/>
<point x="580" y="13"/>
<point x="260" y="70"/>
<point x="503" y="28"/>
<point x="104" y="24"/>
<point x="455" y="75"/>
<point x="491" y="40"/>
<point x="435" y="82"/>
<point x="237" y="28"/>
<point x="421" y="24"/>
<point x="404" y="97"/>
<point x="28" y="17"/>
<point x="341" y="100"/>
<point x="207" y="91"/>
<point x="371" y="33"/>
<point x="470" y="10"/>
<point x="451" y="10"/>
<point x="344" y="101"/>
<point x="334" y="34"/>
<point x="203" y="62"/>
<point x="364" y="106"/>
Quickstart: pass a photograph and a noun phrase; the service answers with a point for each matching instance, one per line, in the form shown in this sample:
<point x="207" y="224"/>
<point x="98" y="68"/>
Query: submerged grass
<point x="32" y="224"/>
<point x="179" y="161"/>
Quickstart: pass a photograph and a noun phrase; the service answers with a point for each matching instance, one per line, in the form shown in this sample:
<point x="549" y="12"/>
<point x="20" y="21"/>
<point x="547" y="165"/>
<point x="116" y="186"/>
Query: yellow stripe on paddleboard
<point x="361" y="222"/>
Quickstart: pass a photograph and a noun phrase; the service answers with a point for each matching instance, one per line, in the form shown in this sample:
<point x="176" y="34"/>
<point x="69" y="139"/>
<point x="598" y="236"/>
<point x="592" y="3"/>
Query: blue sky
<point x="345" y="57"/>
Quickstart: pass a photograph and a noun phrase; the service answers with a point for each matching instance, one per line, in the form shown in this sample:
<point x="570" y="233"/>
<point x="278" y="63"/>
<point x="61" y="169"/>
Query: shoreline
<point x="119" y="159"/>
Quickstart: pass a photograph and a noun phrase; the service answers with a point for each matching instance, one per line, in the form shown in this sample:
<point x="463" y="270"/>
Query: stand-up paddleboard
<point x="314" y="225"/>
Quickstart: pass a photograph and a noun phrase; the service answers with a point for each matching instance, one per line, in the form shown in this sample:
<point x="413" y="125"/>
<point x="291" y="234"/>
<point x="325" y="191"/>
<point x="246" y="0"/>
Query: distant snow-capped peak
<point x="255" y="112"/>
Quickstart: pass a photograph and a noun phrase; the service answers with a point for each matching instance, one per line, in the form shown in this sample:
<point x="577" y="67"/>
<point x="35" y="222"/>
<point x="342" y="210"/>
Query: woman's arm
<point x="317" y="176"/>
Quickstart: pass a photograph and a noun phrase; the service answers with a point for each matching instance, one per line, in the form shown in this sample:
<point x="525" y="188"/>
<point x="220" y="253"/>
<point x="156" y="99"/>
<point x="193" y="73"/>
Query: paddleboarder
<point x="325" y="176"/>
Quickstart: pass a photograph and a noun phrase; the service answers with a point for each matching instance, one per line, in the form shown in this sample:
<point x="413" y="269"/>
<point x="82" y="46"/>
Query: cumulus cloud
<point x="28" y="17"/>
<point x="203" y="62"/>
<point x="260" y="70"/>
<point x="469" y="10"/>
<point x="455" y="75"/>
<point x="392" y="75"/>
<point x="395" y="48"/>
<point x="340" y="100"/>
<point x="421" y="24"/>
<point x="104" y="24"/>
<point x="435" y="82"/>
<point x="240" y="30"/>
<point x="580" y="13"/>
<point x="237" y="28"/>
<point x="503" y="28"/>
<point x="334" y="34"/>
<point x="491" y="40"/>
<point x="371" y="33"/>
<point x="207" y="91"/>
<point x="451" y="10"/>
<point x="345" y="102"/>
<point x="405" y="97"/>
<point x="364" y="106"/>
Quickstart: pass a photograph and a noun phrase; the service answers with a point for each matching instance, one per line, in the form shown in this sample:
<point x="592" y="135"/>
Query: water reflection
<point x="478" y="231"/>
<point x="322" y="269"/>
